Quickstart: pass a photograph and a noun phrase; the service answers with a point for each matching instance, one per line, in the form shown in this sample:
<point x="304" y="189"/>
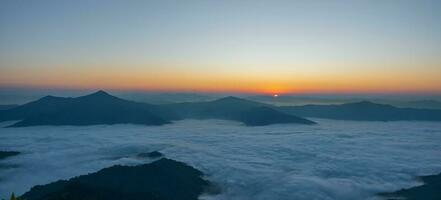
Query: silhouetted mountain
<point x="363" y="111"/>
<point x="7" y="107"/>
<point x="96" y="108"/>
<point x="166" y="98"/>
<point x="260" y="116"/>
<point x="164" y="179"/>
<point x="232" y="108"/>
<point x="429" y="191"/>
<point x="428" y="104"/>
<point x="102" y="108"/>
<point x="296" y="100"/>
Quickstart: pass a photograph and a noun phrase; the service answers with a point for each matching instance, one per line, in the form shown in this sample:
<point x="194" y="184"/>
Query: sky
<point x="377" y="46"/>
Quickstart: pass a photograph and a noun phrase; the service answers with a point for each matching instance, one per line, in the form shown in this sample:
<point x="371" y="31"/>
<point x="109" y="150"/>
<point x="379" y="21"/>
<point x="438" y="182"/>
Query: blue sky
<point x="292" y="46"/>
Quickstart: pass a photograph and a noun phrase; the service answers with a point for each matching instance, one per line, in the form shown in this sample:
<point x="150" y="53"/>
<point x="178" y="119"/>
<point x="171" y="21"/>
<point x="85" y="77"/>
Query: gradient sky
<point x="382" y="46"/>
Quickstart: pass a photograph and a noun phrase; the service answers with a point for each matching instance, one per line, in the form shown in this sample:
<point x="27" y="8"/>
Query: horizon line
<point x="244" y="92"/>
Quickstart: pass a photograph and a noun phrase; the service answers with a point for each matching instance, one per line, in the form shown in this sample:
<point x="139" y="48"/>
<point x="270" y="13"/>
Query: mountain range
<point x="363" y="111"/>
<point x="103" y="108"/>
<point x="96" y="108"/>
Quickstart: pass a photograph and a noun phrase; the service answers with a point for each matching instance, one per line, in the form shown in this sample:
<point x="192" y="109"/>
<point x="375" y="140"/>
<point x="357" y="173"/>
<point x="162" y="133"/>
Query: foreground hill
<point x="363" y="111"/>
<point x="430" y="190"/>
<point x="96" y="108"/>
<point x="102" y="108"/>
<point x="5" y="154"/>
<point x="164" y="179"/>
<point x="232" y="108"/>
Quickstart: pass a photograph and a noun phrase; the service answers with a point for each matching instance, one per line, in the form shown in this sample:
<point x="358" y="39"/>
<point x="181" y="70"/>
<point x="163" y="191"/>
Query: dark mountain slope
<point x="430" y="190"/>
<point x="164" y="179"/>
<point x="96" y="108"/>
<point x="224" y="108"/>
<point x="260" y="116"/>
<point x="363" y="111"/>
<point x="232" y="108"/>
<point x="102" y="108"/>
<point x="428" y="104"/>
<point x="44" y="105"/>
<point x="5" y="154"/>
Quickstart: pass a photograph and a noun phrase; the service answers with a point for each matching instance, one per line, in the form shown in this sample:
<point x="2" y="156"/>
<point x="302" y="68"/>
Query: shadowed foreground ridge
<point x="431" y="190"/>
<point x="164" y="179"/>
<point x="5" y="154"/>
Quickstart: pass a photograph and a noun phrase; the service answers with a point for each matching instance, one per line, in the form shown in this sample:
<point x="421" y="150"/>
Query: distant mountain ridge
<point x="363" y="111"/>
<point x="425" y="104"/>
<point x="103" y="108"/>
<point x="232" y="108"/>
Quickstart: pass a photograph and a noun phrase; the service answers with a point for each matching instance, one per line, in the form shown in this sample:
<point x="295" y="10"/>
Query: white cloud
<point x="333" y="160"/>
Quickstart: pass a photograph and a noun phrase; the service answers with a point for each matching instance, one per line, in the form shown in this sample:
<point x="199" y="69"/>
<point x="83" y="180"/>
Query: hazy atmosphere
<point x="220" y="100"/>
<point x="334" y="161"/>
<point x="223" y="46"/>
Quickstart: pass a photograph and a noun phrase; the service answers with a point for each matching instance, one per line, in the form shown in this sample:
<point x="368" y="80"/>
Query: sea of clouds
<point x="332" y="160"/>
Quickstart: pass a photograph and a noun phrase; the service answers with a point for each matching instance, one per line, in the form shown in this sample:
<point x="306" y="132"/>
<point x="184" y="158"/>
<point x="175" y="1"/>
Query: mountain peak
<point x="50" y="98"/>
<point x="99" y="95"/>
<point x="367" y="104"/>
<point x="238" y="102"/>
<point x="230" y="98"/>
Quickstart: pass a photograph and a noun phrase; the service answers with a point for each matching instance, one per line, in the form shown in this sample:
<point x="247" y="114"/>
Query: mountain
<point x="421" y="104"/>
<point x="430" y="190"/>
<point x="296" y="100"/>
<point x="224" y="108"/>
<point x="5" y="154"/>
<point x="363" y="111"/>
<point x="96" y="108"/>
<point x="102" y="108"/>
<point x="164" y="179"/>
<point x="232" y="108"/>
<point x="428" y="104"/>
<point x="166" y="98"/>
<point x="260" y="116"/>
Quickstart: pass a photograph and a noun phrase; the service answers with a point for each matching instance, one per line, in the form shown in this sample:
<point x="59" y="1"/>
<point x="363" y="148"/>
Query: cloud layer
<point x="333" y="160"/>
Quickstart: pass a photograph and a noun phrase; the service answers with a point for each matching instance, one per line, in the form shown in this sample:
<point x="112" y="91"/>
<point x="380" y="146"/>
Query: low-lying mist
<point x="331" y="160"/>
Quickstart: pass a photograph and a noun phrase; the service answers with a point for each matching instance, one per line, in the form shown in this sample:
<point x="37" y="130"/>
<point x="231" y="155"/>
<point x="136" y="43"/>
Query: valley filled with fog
<point x="331" y="160"/>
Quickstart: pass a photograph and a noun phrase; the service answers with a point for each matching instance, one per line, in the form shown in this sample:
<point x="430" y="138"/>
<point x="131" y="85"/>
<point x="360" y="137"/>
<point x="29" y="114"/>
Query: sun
<point x="275" y="95"/>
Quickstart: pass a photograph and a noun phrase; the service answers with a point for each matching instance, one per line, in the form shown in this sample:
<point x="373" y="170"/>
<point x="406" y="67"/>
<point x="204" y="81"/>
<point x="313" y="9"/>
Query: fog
<point x="332" y="160"/>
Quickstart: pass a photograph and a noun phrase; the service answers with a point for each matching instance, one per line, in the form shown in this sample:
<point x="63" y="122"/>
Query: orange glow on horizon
<point x="269" y="83"/>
